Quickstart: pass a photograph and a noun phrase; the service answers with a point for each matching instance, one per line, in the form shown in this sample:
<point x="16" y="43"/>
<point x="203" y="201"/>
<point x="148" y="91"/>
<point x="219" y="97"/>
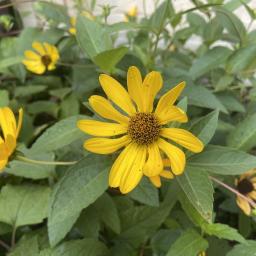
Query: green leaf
<point x="4" y="98"/>
<point x="199" y="190"/>
<point x="205" y="127"/>
<point x="244" y="249"/>
<point x="241" y="59"/>
<point x="27" y="246"/>
<point x="59" y="135"/>
<point x="223" y="83"/>
<point x="190" y="243"/>
<point x="203" y="97"/>
<point x="244" y="136"/>
<point x="222" y="160"/>
<point x="210" y="60"/>
<point x="223" y="231"/>
<point x="84" y="247"/>
<point x="107" y="60"/>
<point x="81" y="185"/>
<point x="23" y="205"/>
<point x="52" y="12"/>
<point x="32" y="171"/>
<point x="6" y="63"/>
<point x="145" y="193"/>
<point x="232" y="23"/>
<point x="92" y="37"/>
<point x="28" y="90"/>
<point x="230" y="101"/>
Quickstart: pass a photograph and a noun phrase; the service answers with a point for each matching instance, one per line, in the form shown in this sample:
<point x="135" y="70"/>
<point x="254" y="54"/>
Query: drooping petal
<point x="32" y="55"/>
<point x="154" y="163"/>
<point x="135" y="89"/>
<point x="252" y="195"/>
<point x="39" y="48"/>
<point x="156" y="181"/>
<point x="115" y="92"/>
<point x="10" y="144"/>
<point x="106" y="146"/>
<point x="169" y="98"/>
<point x="52" y="66"/>
<point x="133" y="174"/>
<point x="244" y="205"/>
<point x="20" y="118"/>
<point x="97" y="128"/>
<point x="166" y="174"/>
<point x="7" y="122"/>
<point x="3" y="151"/>
<point x="176" y="156"/>
<point x="172" y="114"/>
<point x="123" y="161"/>
<point x="104" y="108"/>
<point x="34" y="66"/>
<point x="152" y="84"/>
<point x="184" y="138"/>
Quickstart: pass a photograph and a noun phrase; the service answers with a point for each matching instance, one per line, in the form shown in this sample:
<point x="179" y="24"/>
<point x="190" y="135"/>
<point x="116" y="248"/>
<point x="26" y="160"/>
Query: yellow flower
<point x="72" y="29"/>
<point x="202" y="254"/>
<point x="142" y="130"/>
<point x="246" y="185"/>
<point x="132" y="13"/>
<point x="10" y="132"/>
<point x="43" y="58"/>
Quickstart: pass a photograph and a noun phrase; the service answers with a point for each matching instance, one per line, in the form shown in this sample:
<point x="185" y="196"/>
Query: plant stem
<point x="33" y="161"/>
<point x="5" y="245"/>
<point x="13" y="237"/>
<point x="250" y="201"/>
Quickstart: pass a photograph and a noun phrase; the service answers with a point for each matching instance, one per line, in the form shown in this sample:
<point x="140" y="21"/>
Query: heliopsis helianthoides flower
<point x="202" y="254"/>
<point x="142" y="131"/>
<point x="132" y="13"/>
<point x="72" y="29"/>
<point x="246" y="185"/>
<point x="43" y="58"/>
<point x="9" y="133"/>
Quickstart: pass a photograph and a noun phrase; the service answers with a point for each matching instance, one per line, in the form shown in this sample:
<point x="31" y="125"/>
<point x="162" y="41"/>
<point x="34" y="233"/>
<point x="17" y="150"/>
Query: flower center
<point x="245" y="186"/>
<point x="144" y="128"/>
<point x="46" y="60"/>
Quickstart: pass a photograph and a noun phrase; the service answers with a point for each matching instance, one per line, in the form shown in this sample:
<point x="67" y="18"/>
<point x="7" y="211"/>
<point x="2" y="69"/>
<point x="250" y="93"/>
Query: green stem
<point x="33" y="161"/>
<point x="5" y="245"/>
<point x="13" y="241"/>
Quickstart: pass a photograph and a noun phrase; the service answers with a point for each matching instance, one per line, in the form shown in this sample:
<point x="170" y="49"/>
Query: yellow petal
<point x="154" y="163"/>
<point x="123" y="161"/>
<point x="19" y="122"/>
<point x="184" y="138"/>
<point x="152" y="84"/>
<point x="243" y="205"/>
<point x="51" y="66"/>
<point x="133" y="174"/>
<point x="104" y="108"/>
<point x="156" y="181"/>
<point x="106" y="146"/>
<point x="32" y="55"/>
<point x="176" y="156"/>
<point x="169" y="98"/>
<point x="252" y="195"/>
<point x="7" y="122"/>
<point x="52" y="52"/>
<point x="34" y="66"/>
<point x="39" y="48"/>
<point x="166" y="174"/>
<point x="3" y="151"/>
<point x="97" y="128"/>
<point x="172" y="114"/>
<point x="10" y="144"/>
<point x="134" y="84"/>
<point x="166" y="162"/>
<point x="3" y="164"/>
<point x="117" y="93"/>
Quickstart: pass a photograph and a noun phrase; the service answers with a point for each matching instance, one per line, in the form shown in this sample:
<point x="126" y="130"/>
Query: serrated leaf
<point x="190" y="243"/>
<point x="145" y="193"/>
<point x="244" y="136"/>
<point x="59" y="135"/>
<point x="81" y="185"/>
<point x="24" y="204"/>
<point x="92" y="37"/>
<point x="210" y="60"/>
<point x="222" y="160"/>
<point x="223" y="231"/>
<point x="199" y="190"/>
<point x="107" y="60"/>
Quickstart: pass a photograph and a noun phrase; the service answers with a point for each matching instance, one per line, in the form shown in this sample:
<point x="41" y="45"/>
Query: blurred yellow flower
<point x="202" y="254"/>
<point x="144" y="132"/>
<point x="43" y="58"/>
<point x="72" y="29"/>
<point x="246" y="185"/>
<point x="132" y="13"/>
<point x="9" y="134"/>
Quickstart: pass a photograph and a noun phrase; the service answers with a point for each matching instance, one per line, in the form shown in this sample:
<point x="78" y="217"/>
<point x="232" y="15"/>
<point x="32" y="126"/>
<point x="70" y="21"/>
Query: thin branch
<point x="13" y="240"/>
<point x="5" y="245"/>
<point x="250" y="201"/>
